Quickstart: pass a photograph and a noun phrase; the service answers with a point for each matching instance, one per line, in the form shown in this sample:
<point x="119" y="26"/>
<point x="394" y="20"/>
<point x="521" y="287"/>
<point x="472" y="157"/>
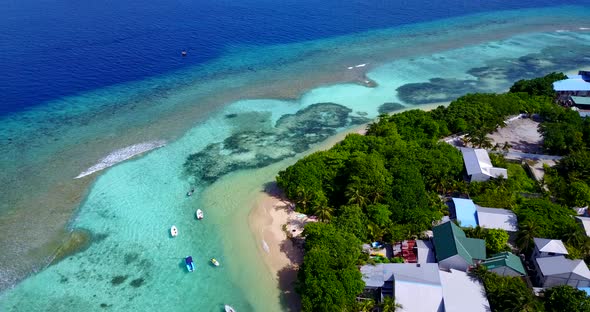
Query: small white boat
<point x="199" y="214"/>
<point x="173" y="231"/>
<point x="215" y="262"/>
<point x="228" y="308"/>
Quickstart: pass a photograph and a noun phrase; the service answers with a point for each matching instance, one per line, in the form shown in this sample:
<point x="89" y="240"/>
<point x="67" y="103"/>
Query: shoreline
<point x="270" y="211"/>
<point x="62" y="198"/>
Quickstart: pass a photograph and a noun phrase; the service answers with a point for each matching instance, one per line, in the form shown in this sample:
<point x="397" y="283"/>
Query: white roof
<point x="376" y="275"/>
<point x="477" y="161"/>
<point x="418" y="297"/>
<point x="585" y="221"/>
<point x="411" y="281"/>
<point x="496" y="218"/>
<point x="550" y="245"/>
<point x="462" y="293"/>
<point x="560" y="265"/>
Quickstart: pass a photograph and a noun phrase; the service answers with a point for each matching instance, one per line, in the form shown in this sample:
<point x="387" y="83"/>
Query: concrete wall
<point x="479" y="177"/>
<point x="564" y="279"/>
<point x="505" y="271"/>
<point x="455" y="262"/>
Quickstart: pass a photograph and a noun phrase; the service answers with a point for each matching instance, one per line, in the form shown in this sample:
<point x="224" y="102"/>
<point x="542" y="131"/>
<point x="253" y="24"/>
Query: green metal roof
<point x="581" y="100"/>
<point x="505" y="259"/>
<point x="450" y="240"/>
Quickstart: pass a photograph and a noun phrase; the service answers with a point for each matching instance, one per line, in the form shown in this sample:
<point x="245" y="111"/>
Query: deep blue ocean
<point x="51" y="49"/>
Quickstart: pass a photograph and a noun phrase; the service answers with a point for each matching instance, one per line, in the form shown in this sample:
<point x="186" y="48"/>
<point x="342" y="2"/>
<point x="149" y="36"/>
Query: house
<point x="497" y="218"/>
<point x="576" y="85"/>
<point x="479" y="166"/>
<point x="465" y="212"/>
<point x="469" y="214"/>
<point x="462" y="292"/>
<point x="417" y="287"/>
<point x="584" y="223"/>
<point x="423" y="287"/>
<point x="505" y="264"/>
<point x="454" y="250"/>
<point x="558" y="270"/>
<point x="548" y="248"/>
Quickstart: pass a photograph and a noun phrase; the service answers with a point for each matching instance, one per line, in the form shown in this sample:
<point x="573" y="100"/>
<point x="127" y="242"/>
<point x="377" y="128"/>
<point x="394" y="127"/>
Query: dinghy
<point x="228" y="308"/>
<point x="173" y="231"/>
<point x="199" y="214"/>
<point x="215" y="262"/>
<point x="189" y="193"/>
<point x="190" y="265"/>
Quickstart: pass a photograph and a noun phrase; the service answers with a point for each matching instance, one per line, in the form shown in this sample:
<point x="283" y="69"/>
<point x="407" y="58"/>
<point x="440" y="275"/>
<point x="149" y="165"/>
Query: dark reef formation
<point x="256" y="143"/>
<point x="501" y="72"/>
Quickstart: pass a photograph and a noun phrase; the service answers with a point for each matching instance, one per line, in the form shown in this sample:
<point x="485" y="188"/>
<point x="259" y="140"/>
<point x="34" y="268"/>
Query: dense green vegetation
<point x="496" y="239"/>
<point x="387" y="186"/>
<point x="538" y="86"/>
<point x="565" y="298"/>
<point x="328" y="278"/>
<point x="507" y="293"/>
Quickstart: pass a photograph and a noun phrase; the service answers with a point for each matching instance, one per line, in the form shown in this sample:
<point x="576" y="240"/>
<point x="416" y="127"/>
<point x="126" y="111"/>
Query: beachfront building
<point x="584" y="222"/>
<point x="574" y="85"/>
<point x="417" y="287"/>
<point x="461" y="293"/>
<point x="558" y="270"/>
<point x="423" y="287"/>
<point x="479" y="166"/>
<point x="454" y="250"/>
<point x="505" y="264"/>
<point x="468" y="214"/>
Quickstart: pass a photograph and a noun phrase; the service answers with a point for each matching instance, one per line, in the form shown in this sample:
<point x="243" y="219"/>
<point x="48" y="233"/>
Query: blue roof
<point x="573" y="83"/>
<point x="466" y="212"/>
<point x="586" y="289"/>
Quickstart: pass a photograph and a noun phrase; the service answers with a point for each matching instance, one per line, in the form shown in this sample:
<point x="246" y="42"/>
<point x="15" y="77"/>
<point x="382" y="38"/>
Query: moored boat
<point x="173" y="231"/>
<point x="215" y="262"/>
<point x="229" y="308"/>
<point x="189" y="193"/>
<point x="190" y="265"/>
<point x="199" y="214"/>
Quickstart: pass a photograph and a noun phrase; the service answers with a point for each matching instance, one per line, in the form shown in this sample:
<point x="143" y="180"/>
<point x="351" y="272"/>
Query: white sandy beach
<point x="271" y="212"/>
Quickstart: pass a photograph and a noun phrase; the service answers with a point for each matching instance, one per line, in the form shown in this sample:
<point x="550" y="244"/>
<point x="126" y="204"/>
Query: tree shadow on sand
<point x="289" y="299"/>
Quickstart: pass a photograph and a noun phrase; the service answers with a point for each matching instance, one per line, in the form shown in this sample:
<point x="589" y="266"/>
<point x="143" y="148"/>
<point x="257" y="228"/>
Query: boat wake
<point x="120" y="155"/>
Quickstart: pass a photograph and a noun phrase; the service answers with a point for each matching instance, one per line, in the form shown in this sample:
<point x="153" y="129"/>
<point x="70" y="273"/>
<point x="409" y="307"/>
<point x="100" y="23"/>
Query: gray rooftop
<point x="425" y="251"/>
<point x="376" y="275"/>
<point x="550" y="245"/>
<point x="560" y="265"/>
<point x="496" y="218"/>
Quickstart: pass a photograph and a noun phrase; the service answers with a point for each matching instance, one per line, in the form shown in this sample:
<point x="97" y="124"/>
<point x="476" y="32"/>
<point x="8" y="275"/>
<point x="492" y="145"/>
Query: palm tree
<point x="304" y="198"/>
<point x="356" y="196"/>
<point x="322" y="210"/>
<point x="479" y="139"/>
<point x="575" y="237"/>
<point x="389" y="305"/>
<point x="528" y="230"/>
<point x="366" y="305"/>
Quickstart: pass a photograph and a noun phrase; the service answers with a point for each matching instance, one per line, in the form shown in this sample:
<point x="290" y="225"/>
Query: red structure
<point x="407" y="250"/>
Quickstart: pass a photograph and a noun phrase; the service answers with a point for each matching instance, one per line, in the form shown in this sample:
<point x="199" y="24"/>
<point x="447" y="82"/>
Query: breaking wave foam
<point x="120" y="155"/>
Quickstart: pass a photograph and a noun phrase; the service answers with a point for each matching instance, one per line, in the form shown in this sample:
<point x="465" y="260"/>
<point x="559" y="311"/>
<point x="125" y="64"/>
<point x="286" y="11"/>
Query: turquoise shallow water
<point x="132" y="263"/>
